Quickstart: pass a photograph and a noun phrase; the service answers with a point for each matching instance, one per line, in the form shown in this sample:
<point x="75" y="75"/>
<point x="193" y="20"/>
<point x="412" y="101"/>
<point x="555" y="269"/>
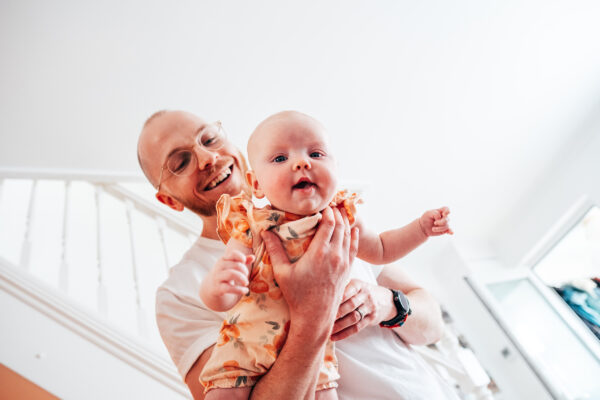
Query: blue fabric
<point x="583" y="303"/>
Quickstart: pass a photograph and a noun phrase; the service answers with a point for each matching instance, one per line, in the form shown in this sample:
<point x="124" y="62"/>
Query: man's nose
<point x="301" y="164"/>
<point x="206" y="158"/>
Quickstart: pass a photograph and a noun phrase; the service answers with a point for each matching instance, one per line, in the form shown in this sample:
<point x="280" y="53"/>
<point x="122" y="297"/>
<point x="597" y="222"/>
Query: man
<point x="191" y="164"/>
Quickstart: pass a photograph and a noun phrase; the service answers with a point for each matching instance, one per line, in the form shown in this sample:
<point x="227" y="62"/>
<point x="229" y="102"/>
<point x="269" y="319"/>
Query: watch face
<point x="404" y="301"/>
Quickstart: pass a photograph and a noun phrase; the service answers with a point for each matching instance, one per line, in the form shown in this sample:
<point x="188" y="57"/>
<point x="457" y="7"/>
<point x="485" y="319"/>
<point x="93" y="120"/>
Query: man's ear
<point x="253" y="183"/>
<point x="169" y="201"/>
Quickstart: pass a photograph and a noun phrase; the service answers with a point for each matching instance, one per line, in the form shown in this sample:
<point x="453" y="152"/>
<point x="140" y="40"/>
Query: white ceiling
<point x="463" y="103"/>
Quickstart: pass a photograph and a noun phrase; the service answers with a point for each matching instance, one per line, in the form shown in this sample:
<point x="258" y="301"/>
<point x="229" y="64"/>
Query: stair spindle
<point x="161" y="224"/>
<point x="102" y="297"/>
<point x="141" y="319"/>
<point x="64" y="268"/>
<point x="26" y="249"/>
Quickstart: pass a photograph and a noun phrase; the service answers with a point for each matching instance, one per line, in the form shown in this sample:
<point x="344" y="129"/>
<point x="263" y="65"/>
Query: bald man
<point x="191" y="164"/>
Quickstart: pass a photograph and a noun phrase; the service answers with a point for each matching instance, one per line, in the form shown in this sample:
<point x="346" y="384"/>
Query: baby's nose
<point x="301" y="164"/>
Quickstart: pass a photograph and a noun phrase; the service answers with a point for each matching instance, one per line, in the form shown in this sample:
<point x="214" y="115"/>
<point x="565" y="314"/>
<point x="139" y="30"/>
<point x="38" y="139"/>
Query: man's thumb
<point x="274" y="248"/>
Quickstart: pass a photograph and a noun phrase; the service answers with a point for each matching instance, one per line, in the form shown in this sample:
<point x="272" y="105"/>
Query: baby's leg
<point x="240" y="393"/>
<point x="327" y="394"/>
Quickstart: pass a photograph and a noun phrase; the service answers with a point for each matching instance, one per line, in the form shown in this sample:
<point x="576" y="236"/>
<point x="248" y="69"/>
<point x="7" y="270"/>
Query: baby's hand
<point x="230" y="274"/>
<point x="435" y="222"/>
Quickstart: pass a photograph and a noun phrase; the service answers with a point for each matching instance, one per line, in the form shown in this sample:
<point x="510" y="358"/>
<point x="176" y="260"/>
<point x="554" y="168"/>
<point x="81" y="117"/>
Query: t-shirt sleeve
<point x="232" y="218"/>
<point x="186" y="328"/>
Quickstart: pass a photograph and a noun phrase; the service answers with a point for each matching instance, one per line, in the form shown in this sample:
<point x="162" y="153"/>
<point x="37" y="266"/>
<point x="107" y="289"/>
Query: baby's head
<point x="291" y="163"/>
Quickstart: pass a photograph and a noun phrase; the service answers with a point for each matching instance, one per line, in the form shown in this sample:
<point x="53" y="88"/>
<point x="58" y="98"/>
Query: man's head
<point x="176" y="155"/>
<point x="291" y="163"/>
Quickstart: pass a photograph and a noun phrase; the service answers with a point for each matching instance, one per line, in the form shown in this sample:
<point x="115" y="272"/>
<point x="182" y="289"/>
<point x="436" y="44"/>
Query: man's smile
<point x="220" y="178"/>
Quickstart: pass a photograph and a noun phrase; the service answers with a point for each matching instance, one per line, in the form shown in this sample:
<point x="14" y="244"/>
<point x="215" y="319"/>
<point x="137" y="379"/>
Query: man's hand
<point x="363" y="304"/>
<point x="314" y="285"/>
<point x="435" y="222"/>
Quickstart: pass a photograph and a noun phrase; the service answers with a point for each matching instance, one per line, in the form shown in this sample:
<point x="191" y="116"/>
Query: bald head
<point x="277" y="122"/>
<point x="157" y="130"/>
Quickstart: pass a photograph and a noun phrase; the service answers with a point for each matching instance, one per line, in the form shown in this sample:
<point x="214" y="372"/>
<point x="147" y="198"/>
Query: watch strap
<point x="403" y="310"/>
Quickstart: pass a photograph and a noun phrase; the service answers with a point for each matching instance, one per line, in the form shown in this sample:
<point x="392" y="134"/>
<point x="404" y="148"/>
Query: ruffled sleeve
<point x="348" y="202"/>
<point x="233" y="218"/>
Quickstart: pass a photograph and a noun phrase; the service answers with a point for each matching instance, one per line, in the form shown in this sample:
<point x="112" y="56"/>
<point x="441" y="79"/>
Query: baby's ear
<point x="253" y="183"/>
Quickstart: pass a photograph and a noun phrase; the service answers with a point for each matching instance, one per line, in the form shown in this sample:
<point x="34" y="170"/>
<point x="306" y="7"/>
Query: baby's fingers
<point x="235" y="276"/>
<point x="227" y="287"/>
<point x="235" y="256"/>
<point x="442" y="221"/>
<point x="442" y="229"/>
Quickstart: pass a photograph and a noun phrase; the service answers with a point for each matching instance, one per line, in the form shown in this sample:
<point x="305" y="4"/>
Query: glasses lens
<point x="179" y="163"/>
<point x="212" y="136"/>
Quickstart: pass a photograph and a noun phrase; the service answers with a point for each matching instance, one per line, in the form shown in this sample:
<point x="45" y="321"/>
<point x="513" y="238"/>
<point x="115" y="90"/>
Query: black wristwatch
<point x="403" y="310"/>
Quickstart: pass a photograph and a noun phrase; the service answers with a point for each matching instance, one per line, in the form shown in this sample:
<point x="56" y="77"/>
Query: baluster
<point x="141" y="317"/>
<point x="64" y="268"/>
<point x="26" y="249"/>
<point x="161" y="224"/>
<point x="102" y="298"/>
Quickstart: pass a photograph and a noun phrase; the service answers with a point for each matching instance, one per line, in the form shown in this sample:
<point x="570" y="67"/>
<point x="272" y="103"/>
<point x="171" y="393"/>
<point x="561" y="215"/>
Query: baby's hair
<point x="286" y="114"/>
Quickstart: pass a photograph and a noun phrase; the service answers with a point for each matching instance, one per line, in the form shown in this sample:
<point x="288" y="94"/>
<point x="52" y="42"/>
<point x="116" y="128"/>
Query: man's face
<point x="217" y="171"/>
<point x="292" y="165"/>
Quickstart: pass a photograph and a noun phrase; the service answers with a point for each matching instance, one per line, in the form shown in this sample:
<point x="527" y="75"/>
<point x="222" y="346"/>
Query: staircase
<point x="81" y="256"/>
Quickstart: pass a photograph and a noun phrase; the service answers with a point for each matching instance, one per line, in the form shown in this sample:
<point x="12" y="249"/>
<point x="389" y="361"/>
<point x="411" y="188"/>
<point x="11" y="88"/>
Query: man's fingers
<point x="338" y="231"/>
<point x="354" y="235"/>
<point x="350" y="305"/>
<point x="274" y="248"/>
<point x="325" y="229"/>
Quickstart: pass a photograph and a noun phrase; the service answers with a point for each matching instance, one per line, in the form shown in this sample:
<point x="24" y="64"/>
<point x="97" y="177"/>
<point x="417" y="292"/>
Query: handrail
<point x="97" y="331"/>
<point x="94" y="176"/>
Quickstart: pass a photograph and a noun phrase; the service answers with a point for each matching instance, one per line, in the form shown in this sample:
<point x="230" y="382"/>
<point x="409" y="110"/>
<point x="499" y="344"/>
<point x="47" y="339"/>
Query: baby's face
<point x="291" y="164"/>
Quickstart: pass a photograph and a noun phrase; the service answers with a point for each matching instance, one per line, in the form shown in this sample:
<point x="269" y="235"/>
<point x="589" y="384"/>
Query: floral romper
<point x="256" y="327"/>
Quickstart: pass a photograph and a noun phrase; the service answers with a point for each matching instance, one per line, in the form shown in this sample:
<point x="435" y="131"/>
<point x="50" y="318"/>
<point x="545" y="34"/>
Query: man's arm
<point x="312" y="287"/>
<point x="423" y="326"/>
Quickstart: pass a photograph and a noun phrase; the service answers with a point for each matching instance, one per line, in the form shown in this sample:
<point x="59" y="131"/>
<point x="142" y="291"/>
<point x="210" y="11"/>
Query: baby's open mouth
<point x="303" y="183"/>
<point x="222" y="177"/>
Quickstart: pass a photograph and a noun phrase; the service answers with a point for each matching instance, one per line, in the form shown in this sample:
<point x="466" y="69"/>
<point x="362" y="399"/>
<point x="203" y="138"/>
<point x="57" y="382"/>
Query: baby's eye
<point x="279" y="159"/>
<point x="316" y="154"/>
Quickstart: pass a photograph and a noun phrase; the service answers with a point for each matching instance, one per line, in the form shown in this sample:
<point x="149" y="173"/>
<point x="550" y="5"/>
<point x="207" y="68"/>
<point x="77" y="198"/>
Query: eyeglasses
<point x="183" y="162"/>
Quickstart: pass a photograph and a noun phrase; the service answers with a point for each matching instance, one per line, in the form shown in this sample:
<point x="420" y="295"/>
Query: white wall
<point x="460" y="103"/>
<point x="576" y="173"/>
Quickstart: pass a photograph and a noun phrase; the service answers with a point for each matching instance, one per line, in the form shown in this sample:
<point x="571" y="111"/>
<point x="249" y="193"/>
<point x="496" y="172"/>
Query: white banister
<point x="26" y="249"/>
<point x="64" y="268"/>
<point x="102" y="298"/>
<point x="160" y="223"/>
<point x="141" y="318"/>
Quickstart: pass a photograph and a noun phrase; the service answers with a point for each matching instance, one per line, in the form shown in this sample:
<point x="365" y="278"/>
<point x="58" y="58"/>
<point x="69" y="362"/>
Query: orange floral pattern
<point x="256" y="328"/>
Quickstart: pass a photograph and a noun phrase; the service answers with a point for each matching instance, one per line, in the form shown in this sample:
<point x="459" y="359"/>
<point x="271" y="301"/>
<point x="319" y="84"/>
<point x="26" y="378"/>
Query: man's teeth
<point x="220" y="178"/>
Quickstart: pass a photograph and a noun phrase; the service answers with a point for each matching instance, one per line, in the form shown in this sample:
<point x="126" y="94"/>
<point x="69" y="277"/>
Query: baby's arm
<point x="228" y="281"/>
<point x="396" y="243"/>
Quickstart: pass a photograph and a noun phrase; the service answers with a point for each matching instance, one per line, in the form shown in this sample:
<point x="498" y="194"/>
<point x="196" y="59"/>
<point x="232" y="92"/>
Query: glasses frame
<point x="197" y="142"/>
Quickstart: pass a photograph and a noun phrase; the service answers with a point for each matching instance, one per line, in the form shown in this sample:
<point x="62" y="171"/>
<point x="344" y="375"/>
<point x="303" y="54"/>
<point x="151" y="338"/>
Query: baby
<point x="292" y="166"/>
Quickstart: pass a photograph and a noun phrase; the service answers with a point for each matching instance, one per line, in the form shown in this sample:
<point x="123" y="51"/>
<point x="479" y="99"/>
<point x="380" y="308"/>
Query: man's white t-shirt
<point x="374" y="363"/>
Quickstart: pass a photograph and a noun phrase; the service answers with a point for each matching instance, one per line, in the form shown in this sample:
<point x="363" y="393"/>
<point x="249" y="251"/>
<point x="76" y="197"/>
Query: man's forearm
<point x="425" y="324"/>
<point x="295" y="372"/>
